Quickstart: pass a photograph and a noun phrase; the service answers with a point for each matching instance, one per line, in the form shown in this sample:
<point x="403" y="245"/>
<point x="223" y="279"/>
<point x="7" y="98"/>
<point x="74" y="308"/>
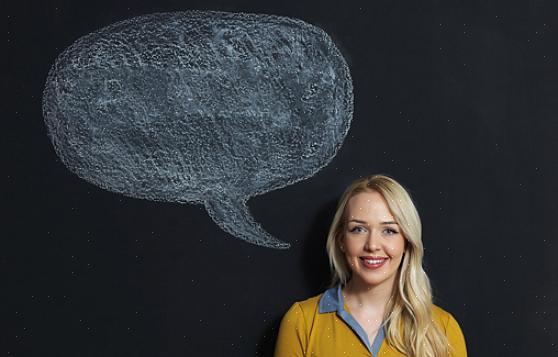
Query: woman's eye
<point x="357" y="229"/>
<point x="390" y="231"/>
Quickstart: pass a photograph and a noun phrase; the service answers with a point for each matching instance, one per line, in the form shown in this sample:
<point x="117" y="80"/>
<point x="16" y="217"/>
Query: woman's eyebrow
<point x="364" y="222"/>
<point x="358" y="221"/>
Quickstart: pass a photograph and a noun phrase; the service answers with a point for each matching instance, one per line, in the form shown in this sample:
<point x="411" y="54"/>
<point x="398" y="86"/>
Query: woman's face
<point x="372" y="241"/>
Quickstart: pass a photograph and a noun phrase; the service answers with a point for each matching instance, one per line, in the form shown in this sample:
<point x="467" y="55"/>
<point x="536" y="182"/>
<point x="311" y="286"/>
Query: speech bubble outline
<point x="200" y="107"/>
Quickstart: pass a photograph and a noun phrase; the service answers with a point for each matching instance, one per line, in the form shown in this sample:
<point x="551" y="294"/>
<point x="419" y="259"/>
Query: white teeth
<point x="379" y="261"/>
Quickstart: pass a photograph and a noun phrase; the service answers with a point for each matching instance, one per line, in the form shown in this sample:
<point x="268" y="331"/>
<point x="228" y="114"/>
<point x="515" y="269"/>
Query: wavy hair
<point x="408" y="318"/>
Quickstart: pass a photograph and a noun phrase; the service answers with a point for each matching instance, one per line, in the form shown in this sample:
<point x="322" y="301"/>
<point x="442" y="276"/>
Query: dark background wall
<point x="456" y="99"/>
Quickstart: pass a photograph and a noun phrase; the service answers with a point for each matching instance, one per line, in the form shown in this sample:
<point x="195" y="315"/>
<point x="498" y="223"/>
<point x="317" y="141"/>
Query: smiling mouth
<point x="373" y="262"/>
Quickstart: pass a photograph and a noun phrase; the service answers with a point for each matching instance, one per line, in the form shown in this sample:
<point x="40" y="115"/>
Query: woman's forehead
<point x="368" y="205"/>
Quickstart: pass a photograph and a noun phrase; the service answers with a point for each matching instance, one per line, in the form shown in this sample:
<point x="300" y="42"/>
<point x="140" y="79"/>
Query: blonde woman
<point x="380" y="303"/>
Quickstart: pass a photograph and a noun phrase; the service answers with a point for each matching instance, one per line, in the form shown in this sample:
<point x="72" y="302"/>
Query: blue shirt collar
<point x="332" y="301"/>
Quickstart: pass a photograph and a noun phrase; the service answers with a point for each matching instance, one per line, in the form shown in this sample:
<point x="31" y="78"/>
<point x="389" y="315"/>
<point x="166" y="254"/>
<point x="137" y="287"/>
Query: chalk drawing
<point x="200" y="107"/>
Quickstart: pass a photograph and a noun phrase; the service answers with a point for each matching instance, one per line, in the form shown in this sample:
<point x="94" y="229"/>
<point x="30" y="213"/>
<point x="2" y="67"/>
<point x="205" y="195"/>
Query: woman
<point x="381" y="300"/>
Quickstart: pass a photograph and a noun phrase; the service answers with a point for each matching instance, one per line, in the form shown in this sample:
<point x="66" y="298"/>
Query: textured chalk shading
<point x="200" y="107"/>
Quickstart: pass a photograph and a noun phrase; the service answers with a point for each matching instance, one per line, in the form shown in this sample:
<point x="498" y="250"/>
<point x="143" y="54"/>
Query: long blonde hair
<point x="408" y="319"/>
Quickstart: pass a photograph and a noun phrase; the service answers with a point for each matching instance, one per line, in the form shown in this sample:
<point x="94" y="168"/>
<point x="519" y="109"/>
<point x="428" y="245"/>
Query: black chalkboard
<point x="456" y="100"/>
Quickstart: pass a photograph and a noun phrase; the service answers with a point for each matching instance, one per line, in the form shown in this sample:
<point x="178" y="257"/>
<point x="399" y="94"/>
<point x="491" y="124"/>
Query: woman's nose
<point x="373" y="241"/>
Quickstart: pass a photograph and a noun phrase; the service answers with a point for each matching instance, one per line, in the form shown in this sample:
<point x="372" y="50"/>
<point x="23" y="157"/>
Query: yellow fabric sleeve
<point x="292" y="339"/>
<point x="455" y="338"/>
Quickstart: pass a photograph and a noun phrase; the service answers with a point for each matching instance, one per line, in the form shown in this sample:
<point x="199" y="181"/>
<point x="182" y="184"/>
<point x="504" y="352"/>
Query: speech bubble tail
<point x="234" y="218"/>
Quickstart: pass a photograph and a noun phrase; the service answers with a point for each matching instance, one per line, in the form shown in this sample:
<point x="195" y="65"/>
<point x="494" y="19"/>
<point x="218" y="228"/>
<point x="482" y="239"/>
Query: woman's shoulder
<point x="312" y="307"/>
<point x="311" y="303"/>
<point x="307" y="306"/>
<point x="439" y="313"/>
<point x="301" y="315"/>
<point x="451" y="328"/>
<point x="445" y="319"/>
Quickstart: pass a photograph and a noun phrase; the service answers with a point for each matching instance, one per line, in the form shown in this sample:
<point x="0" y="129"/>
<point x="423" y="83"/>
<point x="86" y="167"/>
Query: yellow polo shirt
<point x="323" y="326"/>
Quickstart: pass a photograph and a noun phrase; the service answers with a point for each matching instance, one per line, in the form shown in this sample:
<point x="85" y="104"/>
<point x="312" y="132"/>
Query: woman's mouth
<point x="372" y="263"/>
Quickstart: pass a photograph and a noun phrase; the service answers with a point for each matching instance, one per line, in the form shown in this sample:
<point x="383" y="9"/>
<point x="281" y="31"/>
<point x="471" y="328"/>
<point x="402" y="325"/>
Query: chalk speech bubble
<point x="200" y="107"/>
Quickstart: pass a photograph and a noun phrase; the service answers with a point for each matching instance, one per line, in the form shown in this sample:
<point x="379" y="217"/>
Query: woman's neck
<point x="371" y="298"/>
